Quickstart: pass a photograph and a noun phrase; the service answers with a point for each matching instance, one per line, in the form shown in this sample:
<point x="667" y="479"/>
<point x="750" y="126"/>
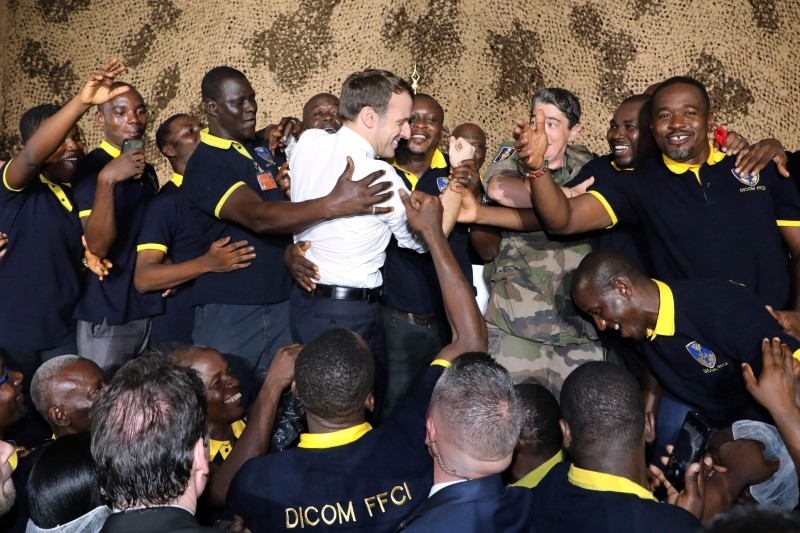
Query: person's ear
<point x="649" y="427"/>
<point x="293" y="388"/>
<point x="430" y="431"/>
<point x="368" y="117"/>
<point x="623" y="286"/>
<point x="369" y="403"/>
<point x="168" y="150"/>
<point x="58" y="416"/>
<point x="211" y="107"/>
<point x="200" y="456"/>
<point x="566" y="435"/>
<point x="99" y="118"/>
<point x="573" y="133"/>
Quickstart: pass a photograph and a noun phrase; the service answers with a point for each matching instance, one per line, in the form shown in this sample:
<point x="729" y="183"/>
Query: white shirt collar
<point x="353" y="137"/>
<point x="439" y="486"/>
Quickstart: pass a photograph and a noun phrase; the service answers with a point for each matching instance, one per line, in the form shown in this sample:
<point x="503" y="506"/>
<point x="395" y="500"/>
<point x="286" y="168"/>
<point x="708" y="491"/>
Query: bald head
<point x="476" y="137"/>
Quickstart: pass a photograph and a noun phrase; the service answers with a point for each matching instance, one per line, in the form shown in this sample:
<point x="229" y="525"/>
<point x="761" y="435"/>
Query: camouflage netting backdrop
<point x="481" y="58"/>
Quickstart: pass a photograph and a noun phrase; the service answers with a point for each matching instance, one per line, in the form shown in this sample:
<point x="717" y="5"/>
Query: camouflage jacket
<point x="530" y="279"/>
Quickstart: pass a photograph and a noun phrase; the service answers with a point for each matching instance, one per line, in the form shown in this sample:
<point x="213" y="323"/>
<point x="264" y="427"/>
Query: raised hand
<point x="531" y="141"/>
<point x="97" y="89"/>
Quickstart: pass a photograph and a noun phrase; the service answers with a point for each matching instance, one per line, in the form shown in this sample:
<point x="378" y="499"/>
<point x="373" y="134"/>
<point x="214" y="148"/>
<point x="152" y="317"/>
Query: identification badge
<point x="266" y="181"/>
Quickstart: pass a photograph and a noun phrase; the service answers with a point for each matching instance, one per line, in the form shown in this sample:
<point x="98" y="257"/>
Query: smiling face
<point x="60" y="167"/>
<point x="556" y="126"/>
<point x="225" y="404"/>
<point x="322" y="112"/>
<point x="680" y="122"/>
<point x="233" y="114"/>
<point x="426" y="122"/>
<point x="625" y="133"/>
<point x="124" y="117"/>
<point x="611" y="309"/>
<point x="393" y="125"/>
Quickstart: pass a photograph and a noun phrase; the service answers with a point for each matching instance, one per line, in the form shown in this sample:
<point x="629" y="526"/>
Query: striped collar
<point x="110" y="149"/>
<point x="677" y="167"/>
<point x="223" y="144"/>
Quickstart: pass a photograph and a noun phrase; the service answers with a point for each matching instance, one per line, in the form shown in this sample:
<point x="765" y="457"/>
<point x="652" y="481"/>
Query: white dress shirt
<point x="349" y="251"/>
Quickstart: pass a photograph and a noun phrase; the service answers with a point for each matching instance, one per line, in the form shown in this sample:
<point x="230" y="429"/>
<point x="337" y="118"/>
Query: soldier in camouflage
<point x="535" y="331"/>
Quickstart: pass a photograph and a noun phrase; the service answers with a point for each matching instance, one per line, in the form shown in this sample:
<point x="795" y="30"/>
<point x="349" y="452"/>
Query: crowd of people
<point x="285" y="334"/>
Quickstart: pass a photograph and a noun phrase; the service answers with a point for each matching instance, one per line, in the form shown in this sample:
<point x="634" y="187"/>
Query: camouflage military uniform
<point x="534" y="329"/>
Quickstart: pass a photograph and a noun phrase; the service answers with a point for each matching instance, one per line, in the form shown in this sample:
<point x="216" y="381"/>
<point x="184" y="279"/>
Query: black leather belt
<point x="412" y="318"/>
<point x="350" y="294"/>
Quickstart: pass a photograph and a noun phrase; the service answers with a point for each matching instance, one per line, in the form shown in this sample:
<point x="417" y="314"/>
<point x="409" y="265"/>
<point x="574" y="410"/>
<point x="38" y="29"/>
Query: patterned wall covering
<point x="482" y="59"/>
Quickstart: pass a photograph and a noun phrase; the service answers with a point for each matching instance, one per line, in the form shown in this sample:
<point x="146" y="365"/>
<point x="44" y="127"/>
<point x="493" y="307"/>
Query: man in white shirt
<point x="375" y="106"/>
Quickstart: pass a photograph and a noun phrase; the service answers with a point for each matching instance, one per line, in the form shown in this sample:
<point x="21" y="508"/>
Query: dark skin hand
<point x="757" y="156"/>
<point x="278" y="134"/>
<point x="303" y="271"/>
<point x="691" y="497"/>
<point x="284" y="181"/>
<point x="348" y="197"/>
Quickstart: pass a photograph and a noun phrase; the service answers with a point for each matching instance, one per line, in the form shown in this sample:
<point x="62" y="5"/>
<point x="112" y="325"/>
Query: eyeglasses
<point x="4" y="377"/>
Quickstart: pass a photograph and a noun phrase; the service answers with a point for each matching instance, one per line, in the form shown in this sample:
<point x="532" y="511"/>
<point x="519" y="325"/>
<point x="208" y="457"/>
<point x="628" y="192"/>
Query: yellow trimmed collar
<point x="337" y="438"/>
<point x="590" y="480"/>
<point x="616" y="167"/>
<point x="676" y="167"/>
<point x="665" y="323"/>
<point x="532" y="478"/>
<point x="56" y="189"/>
<point x="110" y="149"/>
<point x="224" y="447"/>
<point x="223" y="144"/>
<point x="438" y="161"/>
<point x="177" y="179"/>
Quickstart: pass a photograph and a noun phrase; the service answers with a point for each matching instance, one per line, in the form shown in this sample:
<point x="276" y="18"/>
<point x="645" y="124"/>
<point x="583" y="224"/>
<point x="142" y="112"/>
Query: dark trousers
<point x="311" y="315"/>
<point x="412" y="342"/>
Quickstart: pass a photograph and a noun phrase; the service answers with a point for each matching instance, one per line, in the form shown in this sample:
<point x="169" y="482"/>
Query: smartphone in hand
<point x="132" y="144"/>
<point x="690" y="446"/>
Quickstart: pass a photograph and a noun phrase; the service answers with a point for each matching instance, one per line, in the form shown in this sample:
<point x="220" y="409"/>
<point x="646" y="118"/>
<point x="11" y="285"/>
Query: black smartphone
<point x="691" y="444"/>
<point x="132" y="144"/>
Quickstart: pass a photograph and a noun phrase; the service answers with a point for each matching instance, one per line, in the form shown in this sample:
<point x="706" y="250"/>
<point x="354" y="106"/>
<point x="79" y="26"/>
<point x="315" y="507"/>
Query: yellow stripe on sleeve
<point x="607" y="207"/>
<point x="225" y="197"/>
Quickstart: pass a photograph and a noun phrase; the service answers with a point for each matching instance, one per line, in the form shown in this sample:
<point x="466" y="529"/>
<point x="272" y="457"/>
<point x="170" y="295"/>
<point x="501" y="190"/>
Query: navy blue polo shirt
<point x="626" y="239"/>
<point x="39" y="275"/>
<point x="707" y="222"/>
<point x="115" y="299"/>
<point x="577" y="500"/>
<point x="216" y="169"/>
<point x="168" y="228"/>
<point x="705" y="330"/>
<point x="358" y="478"/>
<point x="410" y="283"/>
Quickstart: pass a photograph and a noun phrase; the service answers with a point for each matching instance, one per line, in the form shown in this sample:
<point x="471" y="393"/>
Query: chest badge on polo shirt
<point x="751" y="180"/>
<point x="264" y="153"/>
<point x="442" y="183"/>
<point x="701" y="354"/>
<point x="504" y="153"/>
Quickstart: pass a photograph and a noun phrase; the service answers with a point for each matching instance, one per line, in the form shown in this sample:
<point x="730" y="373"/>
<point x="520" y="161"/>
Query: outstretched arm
<point x="50" y="135"/>
<point x="469" y="328"/>
<point x="557" y="213"/>
<point x="245" y="207"/>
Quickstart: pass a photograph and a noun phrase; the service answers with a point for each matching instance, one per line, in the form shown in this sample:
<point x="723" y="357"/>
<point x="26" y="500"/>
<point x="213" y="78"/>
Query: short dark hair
<point x="753" y="519"/>
<point x="686" y="80"/>
<point x="477" y="402"/>
<point x="334" y="374"/>
<point x="598" y="269"/>
<point x="564" y="100"/>
<point x="370" y="88"/>
<point x="145" y="425"/>
<point x="603" y="405"/>
<point x="212" y="82"/>
<point x="31" y="119"/>
<point x="63" y="482"/>
<point x="425" y="96"/>
<point x="163" y="131"/>
<point x="541" y="432"/>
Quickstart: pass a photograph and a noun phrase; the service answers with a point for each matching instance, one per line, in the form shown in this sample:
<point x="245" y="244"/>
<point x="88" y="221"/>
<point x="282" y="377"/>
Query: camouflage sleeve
<point x="503" y="162"/>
